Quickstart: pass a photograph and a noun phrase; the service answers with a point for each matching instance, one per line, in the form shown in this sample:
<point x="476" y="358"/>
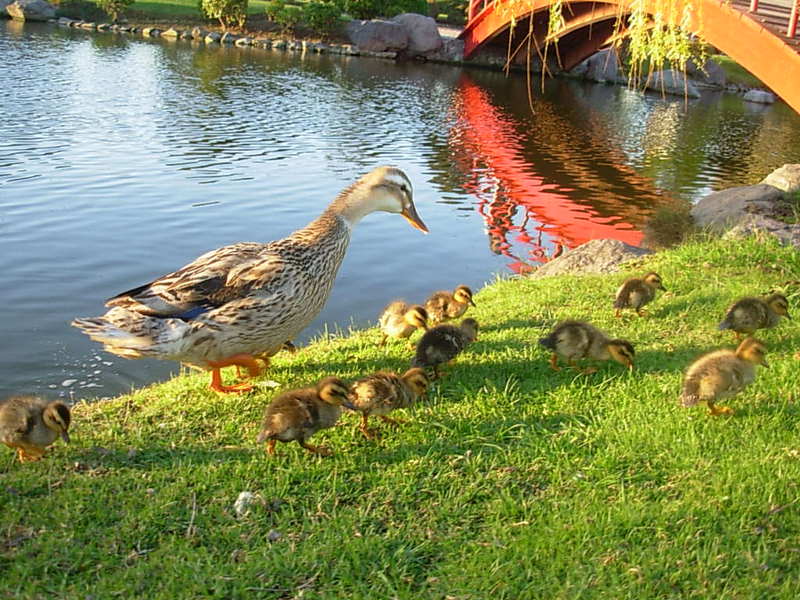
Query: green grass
<point x="737" y="74"/>
<point x="511" y="481"/>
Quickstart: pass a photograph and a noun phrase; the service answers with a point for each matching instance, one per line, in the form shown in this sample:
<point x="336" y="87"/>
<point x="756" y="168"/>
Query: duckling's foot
<point x="392" y="422"/>
<point x="271" y="447"/>
<point x="554" y="362"/>
<point x="321" y="450"/>
<point x="717" y="411"/>
<point x="641" y="312"/>
<point x="370" y="434"/>
<point x="25" y="456"/>
<point x="618" y="313"/>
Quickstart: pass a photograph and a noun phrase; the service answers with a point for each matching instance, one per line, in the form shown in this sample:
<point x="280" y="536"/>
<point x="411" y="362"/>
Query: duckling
<point x="635" y="293"/>
<point x="298" y="414"/>
<point x="576" y="339"/>
<point x="443" y="305"/>
<point x="30" y="424"/>
<point x="443" y="343"/>
<point x="380" y="393"/>
<point x="722" y="373"/>
<point x="400" y="320"/>
<point x="748" y="314"/>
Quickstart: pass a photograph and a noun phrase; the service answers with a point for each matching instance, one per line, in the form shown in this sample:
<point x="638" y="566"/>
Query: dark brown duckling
<point x="381" y="393"/>
<point x="635" y="293"/>
<point x="296" y="415"/>
<point x="30" y="424"/>
<point x="746" y="315"/>
<point x="574" y="340"/>
<point x="443" y="343"/>
<point x="444" y="306"/>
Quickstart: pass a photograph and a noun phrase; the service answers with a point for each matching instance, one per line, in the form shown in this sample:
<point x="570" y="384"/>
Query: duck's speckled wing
<point x="210" y="280"/>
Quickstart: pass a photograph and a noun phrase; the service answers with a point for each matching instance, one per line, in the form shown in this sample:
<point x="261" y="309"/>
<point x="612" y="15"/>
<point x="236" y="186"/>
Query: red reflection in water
<point x="519" y="208"/>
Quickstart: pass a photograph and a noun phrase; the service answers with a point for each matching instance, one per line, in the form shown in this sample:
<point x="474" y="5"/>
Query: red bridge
<point x="760" y="36"/>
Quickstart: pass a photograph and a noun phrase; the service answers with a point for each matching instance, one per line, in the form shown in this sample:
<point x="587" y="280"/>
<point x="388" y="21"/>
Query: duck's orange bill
<point x="410" y="214"/>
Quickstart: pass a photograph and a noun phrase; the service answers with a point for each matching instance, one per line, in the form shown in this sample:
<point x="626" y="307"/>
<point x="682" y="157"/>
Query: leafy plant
<point x="114" y="8"/>
<point x="321" y="15"/>
<point x="79" y="9"/>
<point x="288" y="16"/>
<point x="227" y="12"/>
<point x="370" y="9"/>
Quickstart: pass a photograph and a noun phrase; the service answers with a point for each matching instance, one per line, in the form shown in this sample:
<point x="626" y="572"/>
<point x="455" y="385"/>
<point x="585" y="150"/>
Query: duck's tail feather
<point x="133" y="335"/>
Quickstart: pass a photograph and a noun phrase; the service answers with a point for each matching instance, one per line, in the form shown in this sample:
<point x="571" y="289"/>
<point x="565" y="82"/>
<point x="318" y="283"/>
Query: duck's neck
<point x="351" y="205"/>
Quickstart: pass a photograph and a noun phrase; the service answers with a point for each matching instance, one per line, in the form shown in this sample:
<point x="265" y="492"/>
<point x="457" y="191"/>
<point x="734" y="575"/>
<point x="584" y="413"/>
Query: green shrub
<point x="288" y="16"/>
<point x="79" y="9"/>
<point x="114" y="8"/>
<point x="321" y="15"/>
<point x="369" y="9"/>
<point x="227" y="12"/>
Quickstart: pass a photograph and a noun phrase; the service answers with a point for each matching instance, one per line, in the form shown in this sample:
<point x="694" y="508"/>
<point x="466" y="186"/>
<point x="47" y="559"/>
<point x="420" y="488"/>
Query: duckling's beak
<point x="65" y="436"/>
<point x="472" y="302"/>
<point x="262" y="437"/>
<point x="410" y="214"/>
<point x="788" y="316"/>
<point x="348" y="404"/>
<point x="630" y="365"/>
<point x="662" y="288"/>
<point x="764" y="363"/>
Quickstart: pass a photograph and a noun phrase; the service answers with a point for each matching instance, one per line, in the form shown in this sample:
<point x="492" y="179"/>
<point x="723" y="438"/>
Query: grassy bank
<point x="511" y="481"/>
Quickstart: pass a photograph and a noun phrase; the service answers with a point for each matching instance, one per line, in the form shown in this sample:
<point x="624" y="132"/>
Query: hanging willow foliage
<point x="649" y="41"/>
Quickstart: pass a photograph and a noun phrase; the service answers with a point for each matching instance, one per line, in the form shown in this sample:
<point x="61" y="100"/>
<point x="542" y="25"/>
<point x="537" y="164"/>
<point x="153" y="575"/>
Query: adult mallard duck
<point x="30" y="424"/>
<point x="721" y="374"/>
<point x="245" y="300"/>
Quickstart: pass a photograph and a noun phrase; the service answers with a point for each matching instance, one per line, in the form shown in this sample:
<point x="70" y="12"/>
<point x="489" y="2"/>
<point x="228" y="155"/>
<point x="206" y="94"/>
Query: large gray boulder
<point x="31" y="10"/>
<point x="377" y="35"/>
<point x="759" y="97"/>
<point x="600" y="67"/>
<point x="785" y="178"/>
<point x="725" y="209"/>
<point x="423" y="33"/>
<point x="452" y="50"/>
<point x="710" y="74"/>
<point x="759" y="226"/>
<point x="672" y="82"/>
<point x="595" y="256"/>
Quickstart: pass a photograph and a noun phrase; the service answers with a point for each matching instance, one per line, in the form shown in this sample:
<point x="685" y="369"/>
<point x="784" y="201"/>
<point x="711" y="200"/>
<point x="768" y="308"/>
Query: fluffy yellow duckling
<point x="443" y="343"/>
<point x="722" y="373"/>
<point x="573" y="340"/>
<point x="635" y="293"/>
<point x="746" y="315"/>
<point x="30" y="424"/>
<point x="399" y="320"/>
<point x="444" y="306"/>
<point x="380" y="393"/>
<point x="298" y="414"/>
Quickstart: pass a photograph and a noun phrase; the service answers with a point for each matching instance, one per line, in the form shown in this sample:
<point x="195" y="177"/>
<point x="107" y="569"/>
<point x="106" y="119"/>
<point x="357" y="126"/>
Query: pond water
<point x="122" y="159"/>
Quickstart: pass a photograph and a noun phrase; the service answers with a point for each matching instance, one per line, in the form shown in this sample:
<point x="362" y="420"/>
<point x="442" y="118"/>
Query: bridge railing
<point x="475" y="7"/>
<point x="791" y="29"/>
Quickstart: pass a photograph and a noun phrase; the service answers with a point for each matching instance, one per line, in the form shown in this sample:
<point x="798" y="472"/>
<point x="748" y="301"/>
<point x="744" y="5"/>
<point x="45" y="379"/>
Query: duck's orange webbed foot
<point x="238" y="360"/>
<point x="320" y="450"/>
<point x="554" y="362"/>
